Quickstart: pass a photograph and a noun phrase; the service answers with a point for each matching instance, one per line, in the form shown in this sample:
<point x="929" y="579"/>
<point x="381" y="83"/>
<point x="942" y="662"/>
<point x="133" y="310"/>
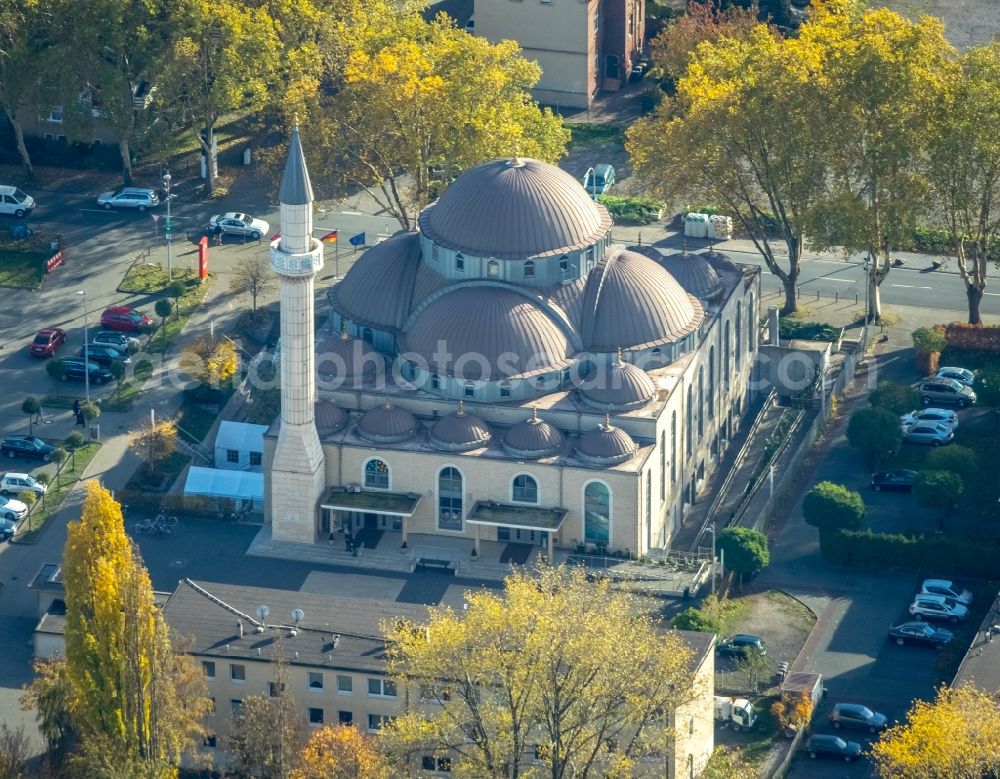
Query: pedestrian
<point x="80" y="421"/>
<point x="38" y="416"/>
<point x="76" y="408"/>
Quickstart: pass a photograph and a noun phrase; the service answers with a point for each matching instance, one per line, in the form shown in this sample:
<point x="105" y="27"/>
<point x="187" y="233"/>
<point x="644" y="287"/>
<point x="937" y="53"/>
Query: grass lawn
<point x="150" y="278"/>
<point x="194" y="422"/>
<point x="144" y="481"/>
<point x="57" y="491"/>
<point x="188" y="303"/>
<point x="24" y="269"/>
<point x="581" y="133"/>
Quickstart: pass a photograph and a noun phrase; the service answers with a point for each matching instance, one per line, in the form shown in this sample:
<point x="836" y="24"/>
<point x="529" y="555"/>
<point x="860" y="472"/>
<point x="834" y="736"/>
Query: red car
<point x="46" y="342"/>
<point x="124" y="318"/>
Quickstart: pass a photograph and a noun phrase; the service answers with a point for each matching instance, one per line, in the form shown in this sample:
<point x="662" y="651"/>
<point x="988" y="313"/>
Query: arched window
<point x="435" y="381"/>
<point x="470" y="389"/>
<point x="673" y="447"/>
<point x="377" y="474"/>
<point x="689" y="431"/>
<point x="459" y="262"/>
<point x="596" y="513"/>
<point x="711" y="383"/>
<point x="701" y="402"/>
<point x="524" y="489"/>
<point x="529" y="269"/>
<point x="663" y="466"/>
<point x="752" y="325"/>
<point x="726" y="351"/>
<point x="657" y="355"/>
<point x="493" y="269"/>
<point x="367" y="335"/>
<point x="739" y="332"/>
<point x="450" y="499"/>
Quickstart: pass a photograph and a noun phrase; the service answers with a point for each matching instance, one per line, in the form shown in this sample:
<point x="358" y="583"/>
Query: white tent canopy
<point x="218" y="483"/>
<point x="242" y="436"/>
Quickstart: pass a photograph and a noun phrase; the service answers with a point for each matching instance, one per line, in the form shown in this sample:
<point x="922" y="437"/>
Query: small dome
<point x="721" y="262"/>
<point x="619" y="386"/>
<point x="515" y="209"/>
<point x="533" y="438"/>
<point x="494" y="324"/>
<point x="632" y="302"/>
<point x="330" y="419"/>
<point x="460" y="432"/>
<point x="344" y="360"/>
<point x="387" y="424"/>
<point x="377" y="290"/>
<point x="694" y="272"/>
<point x="605" y="445"/>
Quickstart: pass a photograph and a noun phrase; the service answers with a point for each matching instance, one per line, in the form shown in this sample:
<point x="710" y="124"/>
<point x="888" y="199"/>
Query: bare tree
<point x="15" y="748"/>
<point x="252" y="276"/>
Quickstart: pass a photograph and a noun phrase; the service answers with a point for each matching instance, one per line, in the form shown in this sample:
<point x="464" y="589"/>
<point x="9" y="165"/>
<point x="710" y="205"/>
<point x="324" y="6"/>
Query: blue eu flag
<point x="357" y="240"/>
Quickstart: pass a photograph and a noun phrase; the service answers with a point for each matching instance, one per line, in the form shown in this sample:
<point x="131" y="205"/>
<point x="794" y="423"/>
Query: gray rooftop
<point x="296" y="189"/>
<point x="981" y="666"/>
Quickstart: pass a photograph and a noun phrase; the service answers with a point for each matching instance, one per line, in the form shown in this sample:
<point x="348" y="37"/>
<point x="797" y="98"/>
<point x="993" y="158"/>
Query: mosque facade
<point x="506" y="372"/>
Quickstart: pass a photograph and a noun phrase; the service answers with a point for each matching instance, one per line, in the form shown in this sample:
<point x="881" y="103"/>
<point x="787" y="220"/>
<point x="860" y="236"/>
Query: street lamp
<point x="868" y="293"/>
<point x="86" y="343"/>
<point x="166" y="229"/>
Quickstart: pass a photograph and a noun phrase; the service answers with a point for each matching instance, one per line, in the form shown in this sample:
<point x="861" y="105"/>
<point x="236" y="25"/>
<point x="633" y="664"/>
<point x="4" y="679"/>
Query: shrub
<point x="746" y="550"/>
<point x="833" y="506"/>
<point x="928" y="340"/>
<point x="75" y="440"/>
<point x="983" y="338"/>
<point x="806" y="331"/>
<point x="956" y="459"/>
<point x="631" y="210"/>
<point x="877" y="432"/>
<point x="895" y="397"/>
<point x="695" y="619"/>
<point x="938" y="490"/>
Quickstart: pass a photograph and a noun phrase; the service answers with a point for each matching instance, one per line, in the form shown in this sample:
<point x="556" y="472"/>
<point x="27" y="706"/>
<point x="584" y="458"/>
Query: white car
<point x="16" y="483"/>
<point x="946" y="588"/>
<point x="941" y="415"/>
<point x="961" y="375"/>
<point x="12" y="509"/>
<point x="938" y="607"/>
<point x="239" y="224"/>
<point x="933" y="433"/>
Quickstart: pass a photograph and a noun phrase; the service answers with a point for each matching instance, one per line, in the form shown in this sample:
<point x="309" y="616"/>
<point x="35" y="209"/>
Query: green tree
<point x="955" y="736"/>
<point x="31" y="407"/>
<point x="56" y="370"/>
<point x="672" y="49"/>
<point x="91" y="412"/>
<point x="955" y="458"/>
<point x="163" y="308"/>
<point x="938" y="490"/>
<point x="928" y="340"/>
<point x="895" y="397"/>
<point x="754" y="666"/>
<point x="964" y="165"/>
<point x="48" y="696"/>
<point x="24" y="26"/>
<point x="834" y="507"/>
<point x="412" y="99"/>
<point x="746" y="550"/>
<point x="743" y="133"/>
<point x="877" y="433"/>
<point x="554" y="660"/>
<point x="694" y="619"/>
<point x="118" y="372"/>
<point x="266" y="733"/>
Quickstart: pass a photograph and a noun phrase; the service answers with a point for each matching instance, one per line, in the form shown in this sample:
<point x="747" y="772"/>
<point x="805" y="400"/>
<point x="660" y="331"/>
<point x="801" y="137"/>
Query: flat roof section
<point x="525" y="517"/>
<point x="399" y="504"/>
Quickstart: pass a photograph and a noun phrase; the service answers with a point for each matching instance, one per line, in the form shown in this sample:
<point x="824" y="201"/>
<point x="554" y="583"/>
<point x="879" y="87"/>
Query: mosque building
<point x="503" y="373"/>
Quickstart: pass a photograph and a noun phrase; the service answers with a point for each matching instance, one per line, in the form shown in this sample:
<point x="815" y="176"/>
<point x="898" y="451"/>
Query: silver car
<point x="931" y="433"/>
<point x="961" y="375"/>
<point x="938" y="607"/>
<point x="239" y="224"/>
<point x="139" y="198"/>
<point x="946" y="588"/>
<point x="945" y="390"/>
<point x="940" y="415"/>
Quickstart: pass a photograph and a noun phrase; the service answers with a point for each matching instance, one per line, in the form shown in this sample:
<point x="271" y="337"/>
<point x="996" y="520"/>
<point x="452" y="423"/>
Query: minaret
<point x="297" y="471"/>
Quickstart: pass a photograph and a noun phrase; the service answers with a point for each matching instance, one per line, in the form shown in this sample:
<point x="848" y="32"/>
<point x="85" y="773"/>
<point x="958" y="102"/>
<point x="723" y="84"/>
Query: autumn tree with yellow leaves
<point x="153" y="443"/>
<point x="210" y="361"/>
<point x="555" y="666"/>
<point x="341" y="752"/>
<point x="956" y="736"/>
<point x="133" y="702"/>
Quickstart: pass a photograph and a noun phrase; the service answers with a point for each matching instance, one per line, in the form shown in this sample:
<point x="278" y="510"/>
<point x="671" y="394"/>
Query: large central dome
<point x="515" y="209"/>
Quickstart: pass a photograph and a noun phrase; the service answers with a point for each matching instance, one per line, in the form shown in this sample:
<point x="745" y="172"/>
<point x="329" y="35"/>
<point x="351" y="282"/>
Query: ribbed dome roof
<point x="631" y="301"/>
<point x="619" y="386"/>
<point x="377" y="290"/>
<point x="387" y="424"/>
<point x="460" y="431"/>
<point x="515" y="209"/>
<point x="605" y="445"/>
<point x="694" y="272"/>
<point x="344" y="359"/>
<point x="721" y="262"/>
<point x="533" y="438"/>
<point x="487" y="323"/>
<point x="329" y="418"/>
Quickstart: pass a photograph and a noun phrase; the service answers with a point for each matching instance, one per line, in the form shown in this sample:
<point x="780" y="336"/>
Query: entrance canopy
<point x="487" y="512"/>
<point x="396" y="504"/>
<point x="218" y="483"/>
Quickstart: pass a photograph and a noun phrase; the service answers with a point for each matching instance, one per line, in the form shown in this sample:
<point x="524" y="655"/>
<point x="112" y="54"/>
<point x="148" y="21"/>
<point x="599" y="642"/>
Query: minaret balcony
<point x="287" y="264"/>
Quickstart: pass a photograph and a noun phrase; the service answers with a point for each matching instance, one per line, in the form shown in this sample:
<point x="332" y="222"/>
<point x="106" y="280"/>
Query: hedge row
<point x="631" y="210"/>
<point x="982" y="338"/>
<point x="938" y="554"/>
<point x="146" y="503"/>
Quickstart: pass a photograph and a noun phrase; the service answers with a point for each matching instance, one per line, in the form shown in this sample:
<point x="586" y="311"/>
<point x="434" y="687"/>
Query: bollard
<point x="817" y="293"/>
<point x="855" y="298"/>
<point x="836" y="296"/>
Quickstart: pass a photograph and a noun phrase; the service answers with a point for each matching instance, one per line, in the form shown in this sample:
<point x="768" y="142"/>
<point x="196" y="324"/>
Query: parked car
<point x="14" y="202"/>
<point x="931" y="433"/>
<point x="940" y="415"/>
<point x="103" y="354"/>
<point x="740" y="644"/>
<point x="26" y="446"/>
<point x="124" y="318"/>
<point x="47" y="341"/>
<point x="7" y="528"/>
<point x="945" y="390"/>
<point x="821" y="745"/>
<point x="948" y="589"/>
<point x="637" y="72"/>
<point x="961" y="375"/>
<point x="239" y="224"/>
<point x="895" y="481"/>
<point x="16" y="483"/>
<point x="938" y="607"/>
<point x="599" y="179"/>
<point x="76" y="369"/>
<point x="920" y="633"/>
<point x="12" y="509"/>
<point x="120" y="341"/>
<point x="139" y="198"/>
<point x="854" y="715"/>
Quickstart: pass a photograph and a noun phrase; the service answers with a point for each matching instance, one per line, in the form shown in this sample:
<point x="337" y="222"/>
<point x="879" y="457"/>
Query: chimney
<point x="772" y="326"/>
<point x="239" y="627"/>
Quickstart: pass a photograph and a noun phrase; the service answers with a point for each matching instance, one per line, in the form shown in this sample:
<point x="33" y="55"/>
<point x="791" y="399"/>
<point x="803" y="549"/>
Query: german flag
<point x="330" y="237"/>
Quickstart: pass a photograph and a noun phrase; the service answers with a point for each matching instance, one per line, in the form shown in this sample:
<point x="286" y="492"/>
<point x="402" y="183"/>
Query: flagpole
<point x="336" y="258"/>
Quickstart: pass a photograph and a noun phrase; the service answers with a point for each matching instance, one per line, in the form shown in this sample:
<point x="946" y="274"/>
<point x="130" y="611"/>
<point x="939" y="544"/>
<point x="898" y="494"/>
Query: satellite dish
<point x="298" y="615"/>
<point x="262" y="612"/>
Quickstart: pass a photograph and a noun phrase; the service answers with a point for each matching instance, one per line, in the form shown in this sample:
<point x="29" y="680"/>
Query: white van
<point x="15" y="202"/>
